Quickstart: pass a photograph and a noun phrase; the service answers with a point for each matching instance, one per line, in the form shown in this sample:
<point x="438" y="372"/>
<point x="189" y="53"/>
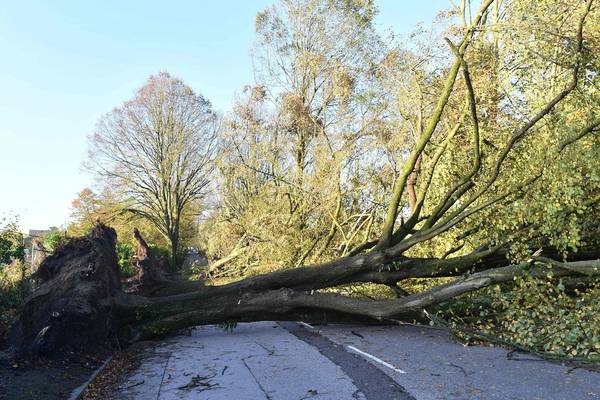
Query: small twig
<point x="357" y="334"/>
<point x="133" y="385"/>
<point x="199" y="381"/>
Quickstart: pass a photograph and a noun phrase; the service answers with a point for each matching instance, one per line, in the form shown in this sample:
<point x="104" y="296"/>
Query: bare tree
<point x="157" y="151"/>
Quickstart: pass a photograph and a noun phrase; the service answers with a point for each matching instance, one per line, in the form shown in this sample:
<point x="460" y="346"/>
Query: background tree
<point x="291" y="166"/>
<point x="89" y="207"/>
<point x="156" y="153"/>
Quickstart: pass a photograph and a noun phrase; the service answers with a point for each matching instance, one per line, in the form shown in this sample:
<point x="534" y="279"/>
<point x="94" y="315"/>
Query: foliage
<point x="54" y="239"/>
<point x="125" y="253"/>
<point x="290" y="164"/>
<point x="306" y="171"/>
<point x="90" y="207"/>
<point x="160" y="252"/>
<point x="537" y="314"/>
<point x="15" y="286"/>
<point x="15" y="282"/>
<point x="11" y="241"/>
<point x="540" y="315"/>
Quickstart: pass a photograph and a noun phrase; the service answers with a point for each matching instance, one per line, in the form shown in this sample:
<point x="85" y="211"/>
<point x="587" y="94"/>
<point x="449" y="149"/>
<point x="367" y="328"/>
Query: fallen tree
<point x="80" y="304"/>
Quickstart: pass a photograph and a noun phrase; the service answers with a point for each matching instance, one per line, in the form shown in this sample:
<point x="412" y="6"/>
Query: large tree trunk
<point x="79" y="303"/>
<point x="174" y="239"/>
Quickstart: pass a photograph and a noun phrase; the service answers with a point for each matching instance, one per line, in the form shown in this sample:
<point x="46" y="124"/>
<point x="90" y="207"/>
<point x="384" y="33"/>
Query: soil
<point x="44" y="379"/>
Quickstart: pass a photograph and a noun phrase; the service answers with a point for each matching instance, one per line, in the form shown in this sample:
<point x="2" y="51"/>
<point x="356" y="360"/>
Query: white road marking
<point x="380" y="361"/>
<point x="306" y="325"/>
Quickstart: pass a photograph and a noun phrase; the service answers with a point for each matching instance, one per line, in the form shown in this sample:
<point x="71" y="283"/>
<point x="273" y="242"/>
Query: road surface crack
<point x="256" y="380"/>
<point x="162" y="379"/>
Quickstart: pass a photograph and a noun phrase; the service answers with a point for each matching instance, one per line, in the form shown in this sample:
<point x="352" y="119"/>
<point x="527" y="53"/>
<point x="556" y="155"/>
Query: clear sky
<point x="64" y="63"/>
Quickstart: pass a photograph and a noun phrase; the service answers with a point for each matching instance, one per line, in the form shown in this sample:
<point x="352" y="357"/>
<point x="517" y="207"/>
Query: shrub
<point x="124" y="259"/>
<point x="160" y="252"/>
<point x="15" y="286"/>
<point x="54" y="239"/>
<point x="11" y="241"/>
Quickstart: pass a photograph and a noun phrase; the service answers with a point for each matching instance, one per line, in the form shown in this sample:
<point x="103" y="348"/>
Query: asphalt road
<point x="268" y="360"/>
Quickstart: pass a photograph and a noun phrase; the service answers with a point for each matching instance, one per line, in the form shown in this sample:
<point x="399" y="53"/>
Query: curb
<point x="78" y="391"/>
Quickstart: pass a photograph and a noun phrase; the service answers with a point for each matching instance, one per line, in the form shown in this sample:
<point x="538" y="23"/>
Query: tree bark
<point x="152" y="275"/>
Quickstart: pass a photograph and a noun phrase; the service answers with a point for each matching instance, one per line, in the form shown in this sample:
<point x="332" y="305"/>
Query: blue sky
<point x="65" y="63"/>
